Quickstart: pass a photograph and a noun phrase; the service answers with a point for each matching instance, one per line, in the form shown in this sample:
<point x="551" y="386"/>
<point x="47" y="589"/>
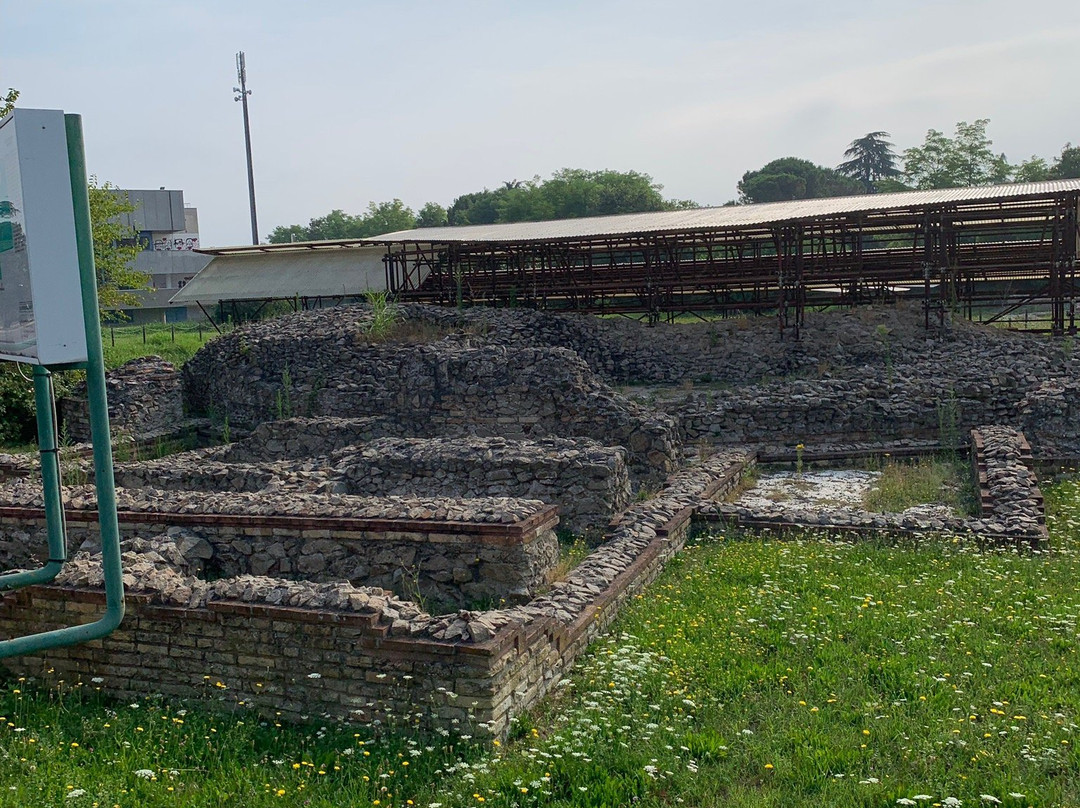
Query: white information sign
<point x="41" y="315"/>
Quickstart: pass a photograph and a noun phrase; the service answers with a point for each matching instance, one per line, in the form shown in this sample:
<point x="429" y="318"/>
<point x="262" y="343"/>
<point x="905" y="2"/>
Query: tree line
<point x="967" y="158"/>
<point x="568" y="194"/>
<point x="870" y="166"/>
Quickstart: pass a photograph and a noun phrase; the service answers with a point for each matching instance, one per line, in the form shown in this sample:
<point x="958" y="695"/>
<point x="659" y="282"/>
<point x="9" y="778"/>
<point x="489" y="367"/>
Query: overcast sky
<point x="360" y="101"/>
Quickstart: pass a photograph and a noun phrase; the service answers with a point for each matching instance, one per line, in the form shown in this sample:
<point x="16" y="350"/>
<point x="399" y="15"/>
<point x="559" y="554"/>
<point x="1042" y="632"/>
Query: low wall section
<point x="589" y="482"/>
<point x="145" y="397"/>
<point x="424" y="549"/>
<point x="468" y="669"/>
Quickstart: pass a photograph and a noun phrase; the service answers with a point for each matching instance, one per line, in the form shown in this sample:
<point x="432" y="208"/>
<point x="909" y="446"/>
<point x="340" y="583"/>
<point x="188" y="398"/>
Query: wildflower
<point x="905" y="801"/>
<point x="990" y="798"/>
<point x="78" y="792"/>
<point x="314" y="676"/>
<point x="952" y="802"/>
<point x="145" y="774"/>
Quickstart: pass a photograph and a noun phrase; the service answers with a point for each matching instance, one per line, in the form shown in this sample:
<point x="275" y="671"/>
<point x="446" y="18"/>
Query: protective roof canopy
<point x="286" y="275"/>
<point x="732" y="217"/>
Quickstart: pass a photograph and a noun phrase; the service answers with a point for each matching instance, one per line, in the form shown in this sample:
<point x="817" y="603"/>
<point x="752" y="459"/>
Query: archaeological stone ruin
<point x="369" y="523"/>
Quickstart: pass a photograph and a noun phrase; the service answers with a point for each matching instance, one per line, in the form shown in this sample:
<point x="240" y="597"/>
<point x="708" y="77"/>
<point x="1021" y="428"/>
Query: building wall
<point x="169" y="231"/>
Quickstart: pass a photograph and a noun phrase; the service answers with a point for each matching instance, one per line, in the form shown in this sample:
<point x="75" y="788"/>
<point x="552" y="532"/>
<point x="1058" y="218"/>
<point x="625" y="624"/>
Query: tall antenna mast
<point x="243" y="93"/>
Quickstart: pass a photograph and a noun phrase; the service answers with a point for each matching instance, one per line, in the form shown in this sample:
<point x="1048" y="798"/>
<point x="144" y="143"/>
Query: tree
<point x="963" y="160"/>
<point x="793" y="178"/>
<point x="870" y="159"/>
<point x="567" y="194"/>
<point x="7" y="102"/>
<point x="479" y="207"/>
<point x="573" y="192"/>
<point x="1067" y="165"/>
<point x="115" y="248"/>
<point x="284" y="234"/>
<point x="337" y="225"/>
<point x="1034" y="170"/>
<point x="386" y="217"/>
<point x="432" y="215"/>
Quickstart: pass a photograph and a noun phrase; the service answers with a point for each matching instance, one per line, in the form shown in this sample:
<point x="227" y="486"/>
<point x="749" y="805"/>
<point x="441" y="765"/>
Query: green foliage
<point x="963" y="160"/>
<point x="927" y="480"/>
<point x="17" y="420"/>
<point x="7" y="101"/>
<point x="1035" y="169"/>
<point x="384" y="217"/>
<point x="792" y="178"/>
<point x="573" y="193"/>
<point x="115" y="248"/>
<point x="384" y="315"/>
<point x="1067" y="165"/>
<point x="387" y="217"/>
<point x="569" y="193"/>
<point x="432" y="215"/>
<point x="870" y="160"/>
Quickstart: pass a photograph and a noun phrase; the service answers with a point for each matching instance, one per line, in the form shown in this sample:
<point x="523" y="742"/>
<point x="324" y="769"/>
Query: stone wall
<point x="145" y="398"/>
<point x="751" y="350"/>
<point x="872" y="373"/>
<point x="455" y="552"/>
<point x="1049" y="415"/>
<point x="320" y="364"/>
<point x="296" y="438"/>
<point x="1010" y="502"/>
<point x="589" y="482"/>
<point x="338" y="650"/>
<point x="844" y="410"/>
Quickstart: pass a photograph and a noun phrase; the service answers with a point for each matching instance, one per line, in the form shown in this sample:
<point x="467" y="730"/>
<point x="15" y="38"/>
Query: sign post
<point x="49" y="318"/>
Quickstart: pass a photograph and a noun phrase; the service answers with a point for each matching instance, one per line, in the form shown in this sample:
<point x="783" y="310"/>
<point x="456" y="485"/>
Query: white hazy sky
<point x="359" y="101"/>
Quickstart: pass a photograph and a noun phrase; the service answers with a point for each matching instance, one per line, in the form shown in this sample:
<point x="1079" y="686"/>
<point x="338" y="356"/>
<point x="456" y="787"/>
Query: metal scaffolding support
<point x="977" y="255"/>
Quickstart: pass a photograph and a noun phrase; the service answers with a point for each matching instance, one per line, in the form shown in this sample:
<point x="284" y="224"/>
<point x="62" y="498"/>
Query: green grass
<point x="938" y="480"/>
<point x="752" y="673"/>
<point x="176" y="343"/>
<point x="71" y="747"/>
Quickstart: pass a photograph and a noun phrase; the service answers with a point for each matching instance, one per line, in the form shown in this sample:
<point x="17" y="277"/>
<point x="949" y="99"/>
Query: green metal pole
<point x="99" y="427"/>
<point x="50" y="476"/>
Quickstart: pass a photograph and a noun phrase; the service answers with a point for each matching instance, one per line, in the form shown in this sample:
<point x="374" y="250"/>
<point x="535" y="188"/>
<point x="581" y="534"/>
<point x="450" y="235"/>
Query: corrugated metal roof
<point x="723" y="218"/>
<point x="286" y="275"/>
<point x="291" y="246"/>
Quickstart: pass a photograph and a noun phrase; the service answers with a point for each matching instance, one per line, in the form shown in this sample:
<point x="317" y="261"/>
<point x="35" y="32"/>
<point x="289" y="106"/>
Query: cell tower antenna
<point x="242" y="96"/>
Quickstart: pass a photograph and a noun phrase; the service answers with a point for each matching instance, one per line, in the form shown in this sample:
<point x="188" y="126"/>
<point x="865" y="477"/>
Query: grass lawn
<point x="175" y="342"/>
<point x="752" y="673"/>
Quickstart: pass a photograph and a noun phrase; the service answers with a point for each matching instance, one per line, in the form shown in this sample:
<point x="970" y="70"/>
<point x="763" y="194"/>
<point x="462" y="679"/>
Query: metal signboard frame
<point x="49" y="263"/>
